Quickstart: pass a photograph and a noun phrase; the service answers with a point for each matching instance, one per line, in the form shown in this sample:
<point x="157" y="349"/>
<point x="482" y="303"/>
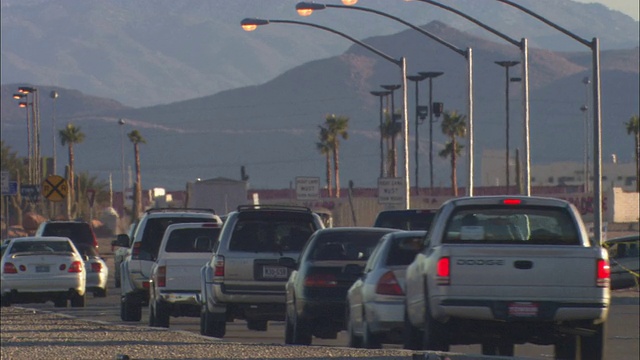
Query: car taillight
<point x="603" y="276"/>
<point x="9" y="268"/>
<point x="135" y="251"/>
<point x="218" y="266"/>
<point x="96" y="267"/>
<point x="161" y="276"/>
<point x="321" y="280"/>
<point x="76" y="267"/>
<point x="443" y="271"/>
<point x="388" y="285"/>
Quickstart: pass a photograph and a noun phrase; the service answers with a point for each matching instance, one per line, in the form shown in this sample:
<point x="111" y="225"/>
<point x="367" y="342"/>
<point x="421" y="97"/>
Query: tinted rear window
<point x="41" y="246"/>
<point x="276" y="232"/>
<point x="405" y="220"/>
<point x="518" y="225"/>
<point x="79" y="233"/>
<point x="348" y="245"/>
<point x="155" y="228"/>
<point x="192" y="240"/>
<point x="403" y="250"/>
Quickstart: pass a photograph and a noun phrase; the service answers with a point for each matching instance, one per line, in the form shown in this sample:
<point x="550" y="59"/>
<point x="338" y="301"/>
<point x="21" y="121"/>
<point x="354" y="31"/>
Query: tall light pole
<point x="594" y="46"/>
<point x="251" y="24"/>
<point x="392" y="89"/>
<point x="417" y="79"/>
<point x="121" y="123"/>
<point x="35" y="131"/>
<point x="585" y="109"/>
<point x="381" y="95"/>
<point x="506" y="65"/>
<point x="306" y="8"/>
<point x="25" y="104"/>
<point x="54" y="95"/>
<point x="431" y="75"/>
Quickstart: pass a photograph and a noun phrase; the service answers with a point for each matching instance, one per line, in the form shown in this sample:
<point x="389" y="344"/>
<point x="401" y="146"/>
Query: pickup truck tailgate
<point x="183" y="271"/>
<point x="523" y="266"/>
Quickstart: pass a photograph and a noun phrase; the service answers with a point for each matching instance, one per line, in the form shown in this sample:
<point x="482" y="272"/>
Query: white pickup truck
<point x="174" y="287"/>
<point x="500" y="271"/>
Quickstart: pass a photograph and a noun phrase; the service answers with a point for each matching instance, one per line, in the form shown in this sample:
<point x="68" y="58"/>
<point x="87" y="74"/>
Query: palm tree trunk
<point x="336" y="166"/>
<point x="328" y="173"/>
<point x="138" y="195"/>
<point x="394" y="158"/>
<point x="72" y="188"/>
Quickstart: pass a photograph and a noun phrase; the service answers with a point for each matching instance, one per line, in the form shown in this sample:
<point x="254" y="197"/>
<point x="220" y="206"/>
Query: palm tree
<point x="337" y="126"/>
<point x="453" y="126"/>
<point x="69" y="136"/>
<point x="14" y="165"/>
<point x="390" y="131"/>
<point x="633" y="127"/>
<point x="84" y="182"/>
<point x="324" y="146"/>
<point x="136" y="139"/>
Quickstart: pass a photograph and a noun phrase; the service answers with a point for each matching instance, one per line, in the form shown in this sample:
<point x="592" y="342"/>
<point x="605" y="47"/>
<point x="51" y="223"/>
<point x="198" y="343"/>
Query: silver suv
<point x="135" y="270"/>
<point x="244" y="278"/>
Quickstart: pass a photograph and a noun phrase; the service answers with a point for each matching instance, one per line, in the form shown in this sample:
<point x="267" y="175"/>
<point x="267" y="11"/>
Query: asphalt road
<point x="624" y="333"/>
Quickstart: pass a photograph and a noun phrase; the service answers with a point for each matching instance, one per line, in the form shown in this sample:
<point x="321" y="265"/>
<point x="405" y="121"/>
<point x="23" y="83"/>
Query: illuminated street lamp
<point x="381" y="95"/>
<point x="506" y="65"/>
<point x="249" y="24"/>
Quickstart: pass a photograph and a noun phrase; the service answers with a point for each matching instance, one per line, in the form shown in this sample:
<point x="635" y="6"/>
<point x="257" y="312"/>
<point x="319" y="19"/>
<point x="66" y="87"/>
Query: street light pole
<point x="121" y="123"/>
<point x="507" y="65"/>
<point x="392" y="89"/>
<point x="594" y="46"/>
<point x="54" y="96"/>
<point x="417" y="79"/>
<point x="249" y="24"/>
<point x="381" y="95"/>
<point x="585" y="108"/>
<point x="431" y="75"/>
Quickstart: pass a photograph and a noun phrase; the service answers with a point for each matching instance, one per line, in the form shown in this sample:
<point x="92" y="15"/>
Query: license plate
<point x="523" y="309"/>
<point x="275" y="272"/>
<point x="42" y="268"/>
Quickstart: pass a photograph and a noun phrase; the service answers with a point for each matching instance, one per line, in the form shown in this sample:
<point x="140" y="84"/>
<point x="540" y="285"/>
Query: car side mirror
<point x="121" y="240"/>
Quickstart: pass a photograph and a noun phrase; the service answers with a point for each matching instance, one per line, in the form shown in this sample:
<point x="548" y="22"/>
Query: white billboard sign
<point x="390" y="191"/>
<point x="307" y="188"/>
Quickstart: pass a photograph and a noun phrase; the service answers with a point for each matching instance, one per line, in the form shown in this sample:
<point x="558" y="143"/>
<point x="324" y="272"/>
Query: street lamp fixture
<point x="431" y="75"/>
<point x="507" y="64"/>
<point x="19" y="96"/>
<point x="417" y="79"/>
<point x="381" y="95"/>
<point x="250" y="24"/>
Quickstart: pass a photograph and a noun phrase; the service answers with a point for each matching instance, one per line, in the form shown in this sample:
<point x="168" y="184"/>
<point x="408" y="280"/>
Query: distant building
<point x="614" y="174"/>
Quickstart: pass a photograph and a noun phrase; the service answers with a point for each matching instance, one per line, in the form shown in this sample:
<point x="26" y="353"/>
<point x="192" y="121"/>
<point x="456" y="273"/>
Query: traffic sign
<point x="12" y="188"/>
<point x="307" y="188"/>
<point x="55" y="188"/>
<point x="390" y="191"/>
<point x="31" y="192"/>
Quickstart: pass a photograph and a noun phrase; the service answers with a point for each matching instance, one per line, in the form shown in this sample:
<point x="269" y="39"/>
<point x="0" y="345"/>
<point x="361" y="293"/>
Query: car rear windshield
<point x="79" y="233"/>
<point x="405" y="220"/>
<point x="271" y="232"/>
<point x="41" y="246"/>
<point x="154" y="231"/>
<point x="192" y="240"/>
<point x="403" y="250"/>
<point x="348" y="245"/>
<point x="519" y="225"/>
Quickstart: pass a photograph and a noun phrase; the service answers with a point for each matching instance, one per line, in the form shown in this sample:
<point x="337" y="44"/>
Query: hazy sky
<point x="629" y="7"/>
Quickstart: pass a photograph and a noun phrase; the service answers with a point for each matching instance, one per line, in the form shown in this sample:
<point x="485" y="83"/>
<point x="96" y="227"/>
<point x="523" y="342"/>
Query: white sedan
<point x="375" y="302"/>
<point x="41" y="269"/>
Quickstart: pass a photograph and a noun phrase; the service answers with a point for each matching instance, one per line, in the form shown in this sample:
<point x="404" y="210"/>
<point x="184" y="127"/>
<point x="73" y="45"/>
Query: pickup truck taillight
<point x="321" y="280"/>
<point x="9" y="268"/>
<point x="603" y="276"/>
<point x="443" y="271"/>
<point x="161" y="276"/>
<point x="388" y="285"/>
<point x="96" y="267"/>
<point x="218" y="266"/>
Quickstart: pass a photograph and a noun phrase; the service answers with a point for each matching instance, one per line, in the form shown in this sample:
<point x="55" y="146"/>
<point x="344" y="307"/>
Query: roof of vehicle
<point x="357" y="228"/>
<point x="39" y="238"/>
<point x="273" y="207"/>
<point x="508" y="200"/>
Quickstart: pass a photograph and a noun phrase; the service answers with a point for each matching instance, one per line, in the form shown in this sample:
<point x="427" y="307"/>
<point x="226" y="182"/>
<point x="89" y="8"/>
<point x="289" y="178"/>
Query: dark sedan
<point x="316" y="292"/>
<point x="624" y="259"/>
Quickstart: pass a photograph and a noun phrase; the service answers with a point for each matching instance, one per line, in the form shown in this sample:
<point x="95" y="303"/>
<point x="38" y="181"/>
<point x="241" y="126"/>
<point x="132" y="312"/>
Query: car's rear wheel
<point x="5" y="300"/>
<point x="369" y="340"/>
<point x="77" y="300"/>
<point x="503" y="348"/>
<point x="158" y="314"/>
<point x="257" y="325"/>
<point x="433" y="332"/>
<point x="117" y="279"/>
<point x="130" y="309"/>
<point x="301" y="331"/>
<point x="355" y="341"/>
<point x="593" y="347"/>
<point x="100" y="293"/>
<point x="566" y="348"/>
<point x="212" y="325"/>
<point x="412" y="336"/>
<point x="60" y="301"/>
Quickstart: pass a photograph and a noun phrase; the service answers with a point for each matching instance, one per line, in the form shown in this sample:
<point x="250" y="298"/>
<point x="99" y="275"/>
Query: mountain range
<point x="271" y="127"/>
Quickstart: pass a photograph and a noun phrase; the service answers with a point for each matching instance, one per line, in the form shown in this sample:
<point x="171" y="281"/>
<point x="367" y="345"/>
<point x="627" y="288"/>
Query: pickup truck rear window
<point x="192" y="240"/>
<point x="535" y="225"/>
